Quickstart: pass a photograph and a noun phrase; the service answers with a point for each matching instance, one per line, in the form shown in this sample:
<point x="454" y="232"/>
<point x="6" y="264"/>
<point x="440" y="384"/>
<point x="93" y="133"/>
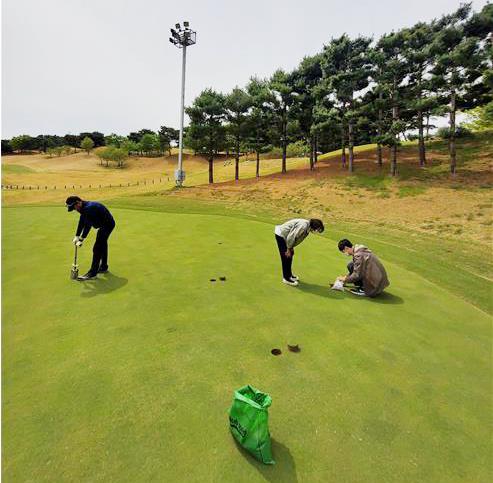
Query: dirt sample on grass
<point x="294" y="348"/>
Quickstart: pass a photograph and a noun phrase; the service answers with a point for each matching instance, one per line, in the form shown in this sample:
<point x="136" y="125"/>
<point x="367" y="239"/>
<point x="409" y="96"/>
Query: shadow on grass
<point x="387" y="298"/>
<point x="283" y="471"/>
<point x="324" y="291"/>
<point x="320" y="290"/>
<point x="103" y="284"/>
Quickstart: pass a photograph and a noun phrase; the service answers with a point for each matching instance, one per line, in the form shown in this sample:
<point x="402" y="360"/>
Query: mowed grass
<point x="16" y="169"/>
<point x="130" y="377"/>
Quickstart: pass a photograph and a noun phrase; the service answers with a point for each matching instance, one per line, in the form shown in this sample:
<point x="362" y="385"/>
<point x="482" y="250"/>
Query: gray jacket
<point x="293" y="231"/>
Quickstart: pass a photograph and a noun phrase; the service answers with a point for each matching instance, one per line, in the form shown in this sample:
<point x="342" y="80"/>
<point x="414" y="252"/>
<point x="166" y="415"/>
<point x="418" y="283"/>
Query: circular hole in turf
<point x="276" y="352"/>
<point x="223" y="279"/>
<point x="212" y="280"/>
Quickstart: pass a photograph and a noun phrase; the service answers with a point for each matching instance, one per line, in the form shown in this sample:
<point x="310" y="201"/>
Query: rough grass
<point x="338" y="152"/>
<point x="379" y="182"/>
<point x="411" y="190"/>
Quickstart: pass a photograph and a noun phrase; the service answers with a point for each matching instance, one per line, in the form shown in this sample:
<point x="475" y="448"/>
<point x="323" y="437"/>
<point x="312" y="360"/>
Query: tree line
<point x="355" y="91"/>
<point x="116" y="148"/>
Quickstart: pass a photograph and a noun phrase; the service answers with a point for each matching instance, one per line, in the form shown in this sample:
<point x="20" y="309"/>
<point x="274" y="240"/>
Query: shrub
<point x="460" y="132"/>
<point x="6" y="147"/>
<point x="463" y="132"/>
<point x="297" y="149"/>
<point x="113" y="154"/>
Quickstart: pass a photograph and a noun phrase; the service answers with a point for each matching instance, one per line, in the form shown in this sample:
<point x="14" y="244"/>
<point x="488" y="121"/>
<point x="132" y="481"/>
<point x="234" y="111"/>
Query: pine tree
<point x="206" y="133"/>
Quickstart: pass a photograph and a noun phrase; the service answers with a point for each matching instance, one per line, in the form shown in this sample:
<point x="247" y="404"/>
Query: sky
<point x="70" y="66"/>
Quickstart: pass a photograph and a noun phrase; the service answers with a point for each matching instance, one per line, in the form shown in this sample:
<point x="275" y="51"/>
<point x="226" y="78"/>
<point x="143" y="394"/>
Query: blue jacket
<point x="93" y="214"/>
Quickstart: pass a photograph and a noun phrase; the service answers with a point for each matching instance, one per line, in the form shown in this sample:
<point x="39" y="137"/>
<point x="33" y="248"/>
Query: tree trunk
<point x="312" y="157"/>
<point x="343" y="147"/>
<point x="284" y="144"/>
<point x="237" y="160"/>
<point x="379" y="131"/>
<point x="393" y="159"/>
<point x="395" y="116"/>
<point x="257" y="167"/>
<point x="211" y="169"/>
<point x="284" y="156"/>
<point x="351" y="146"/>
<point x="421" y="141"/>
<point x="427" y="125"/>
<point x="453" y="160"/>
<point x="315" y="154"/>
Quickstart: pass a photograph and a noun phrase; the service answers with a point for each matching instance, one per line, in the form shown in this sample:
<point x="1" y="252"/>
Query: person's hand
<point x="342" y="278"/>
<point x="289" y="253"/>
<point x="79" y="242"/>
<point x="76" y="239"/>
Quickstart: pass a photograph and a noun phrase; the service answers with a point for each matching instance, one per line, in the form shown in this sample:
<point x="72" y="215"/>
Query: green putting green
<point x="130" y="377"/>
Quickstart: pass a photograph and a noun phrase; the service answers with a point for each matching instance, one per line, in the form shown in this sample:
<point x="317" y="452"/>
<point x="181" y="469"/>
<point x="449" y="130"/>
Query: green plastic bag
<point x="249" y="422"/>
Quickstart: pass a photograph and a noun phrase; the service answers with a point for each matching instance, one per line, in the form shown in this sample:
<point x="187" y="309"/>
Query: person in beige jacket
<point x="365" y="271"/>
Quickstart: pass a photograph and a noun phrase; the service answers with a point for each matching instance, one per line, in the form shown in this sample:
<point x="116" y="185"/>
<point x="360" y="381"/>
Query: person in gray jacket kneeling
<point x="365" y="271"/>
<point x="290" y="234"/>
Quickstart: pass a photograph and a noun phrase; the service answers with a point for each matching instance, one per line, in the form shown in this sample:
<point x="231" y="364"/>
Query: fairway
<point x="130" y="377"/>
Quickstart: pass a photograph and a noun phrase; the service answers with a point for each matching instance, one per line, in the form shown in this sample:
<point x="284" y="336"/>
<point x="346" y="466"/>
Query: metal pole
<point x="180" y="174"/>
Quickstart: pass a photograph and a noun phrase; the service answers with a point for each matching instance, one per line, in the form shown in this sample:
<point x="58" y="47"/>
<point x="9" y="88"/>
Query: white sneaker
<point x="295" y="278"/>
<point x="293" y="283"/>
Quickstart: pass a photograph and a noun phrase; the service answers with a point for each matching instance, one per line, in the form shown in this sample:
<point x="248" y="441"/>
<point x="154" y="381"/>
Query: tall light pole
<point x="182" y="37"/>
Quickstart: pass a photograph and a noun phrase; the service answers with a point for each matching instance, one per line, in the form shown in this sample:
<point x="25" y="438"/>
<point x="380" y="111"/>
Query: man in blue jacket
<point x="93" y="214"/>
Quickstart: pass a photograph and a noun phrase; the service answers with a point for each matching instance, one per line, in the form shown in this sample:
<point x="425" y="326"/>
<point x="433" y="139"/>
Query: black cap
<point x="70" y="202"/>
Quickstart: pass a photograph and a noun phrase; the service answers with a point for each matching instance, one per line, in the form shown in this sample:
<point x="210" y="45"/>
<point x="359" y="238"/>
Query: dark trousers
<point x="285" y="261"/>
<point x="350" y="269"/>
<point x="100" y="249"/>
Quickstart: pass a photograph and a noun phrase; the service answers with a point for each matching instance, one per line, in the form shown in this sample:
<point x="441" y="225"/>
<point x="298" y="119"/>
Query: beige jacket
<point x="369" y="269"/>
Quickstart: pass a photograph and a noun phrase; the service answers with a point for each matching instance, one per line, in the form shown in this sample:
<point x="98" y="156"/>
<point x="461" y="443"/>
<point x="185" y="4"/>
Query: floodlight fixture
<point x="186" y="24"/>
<point x="177" y="25"/>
